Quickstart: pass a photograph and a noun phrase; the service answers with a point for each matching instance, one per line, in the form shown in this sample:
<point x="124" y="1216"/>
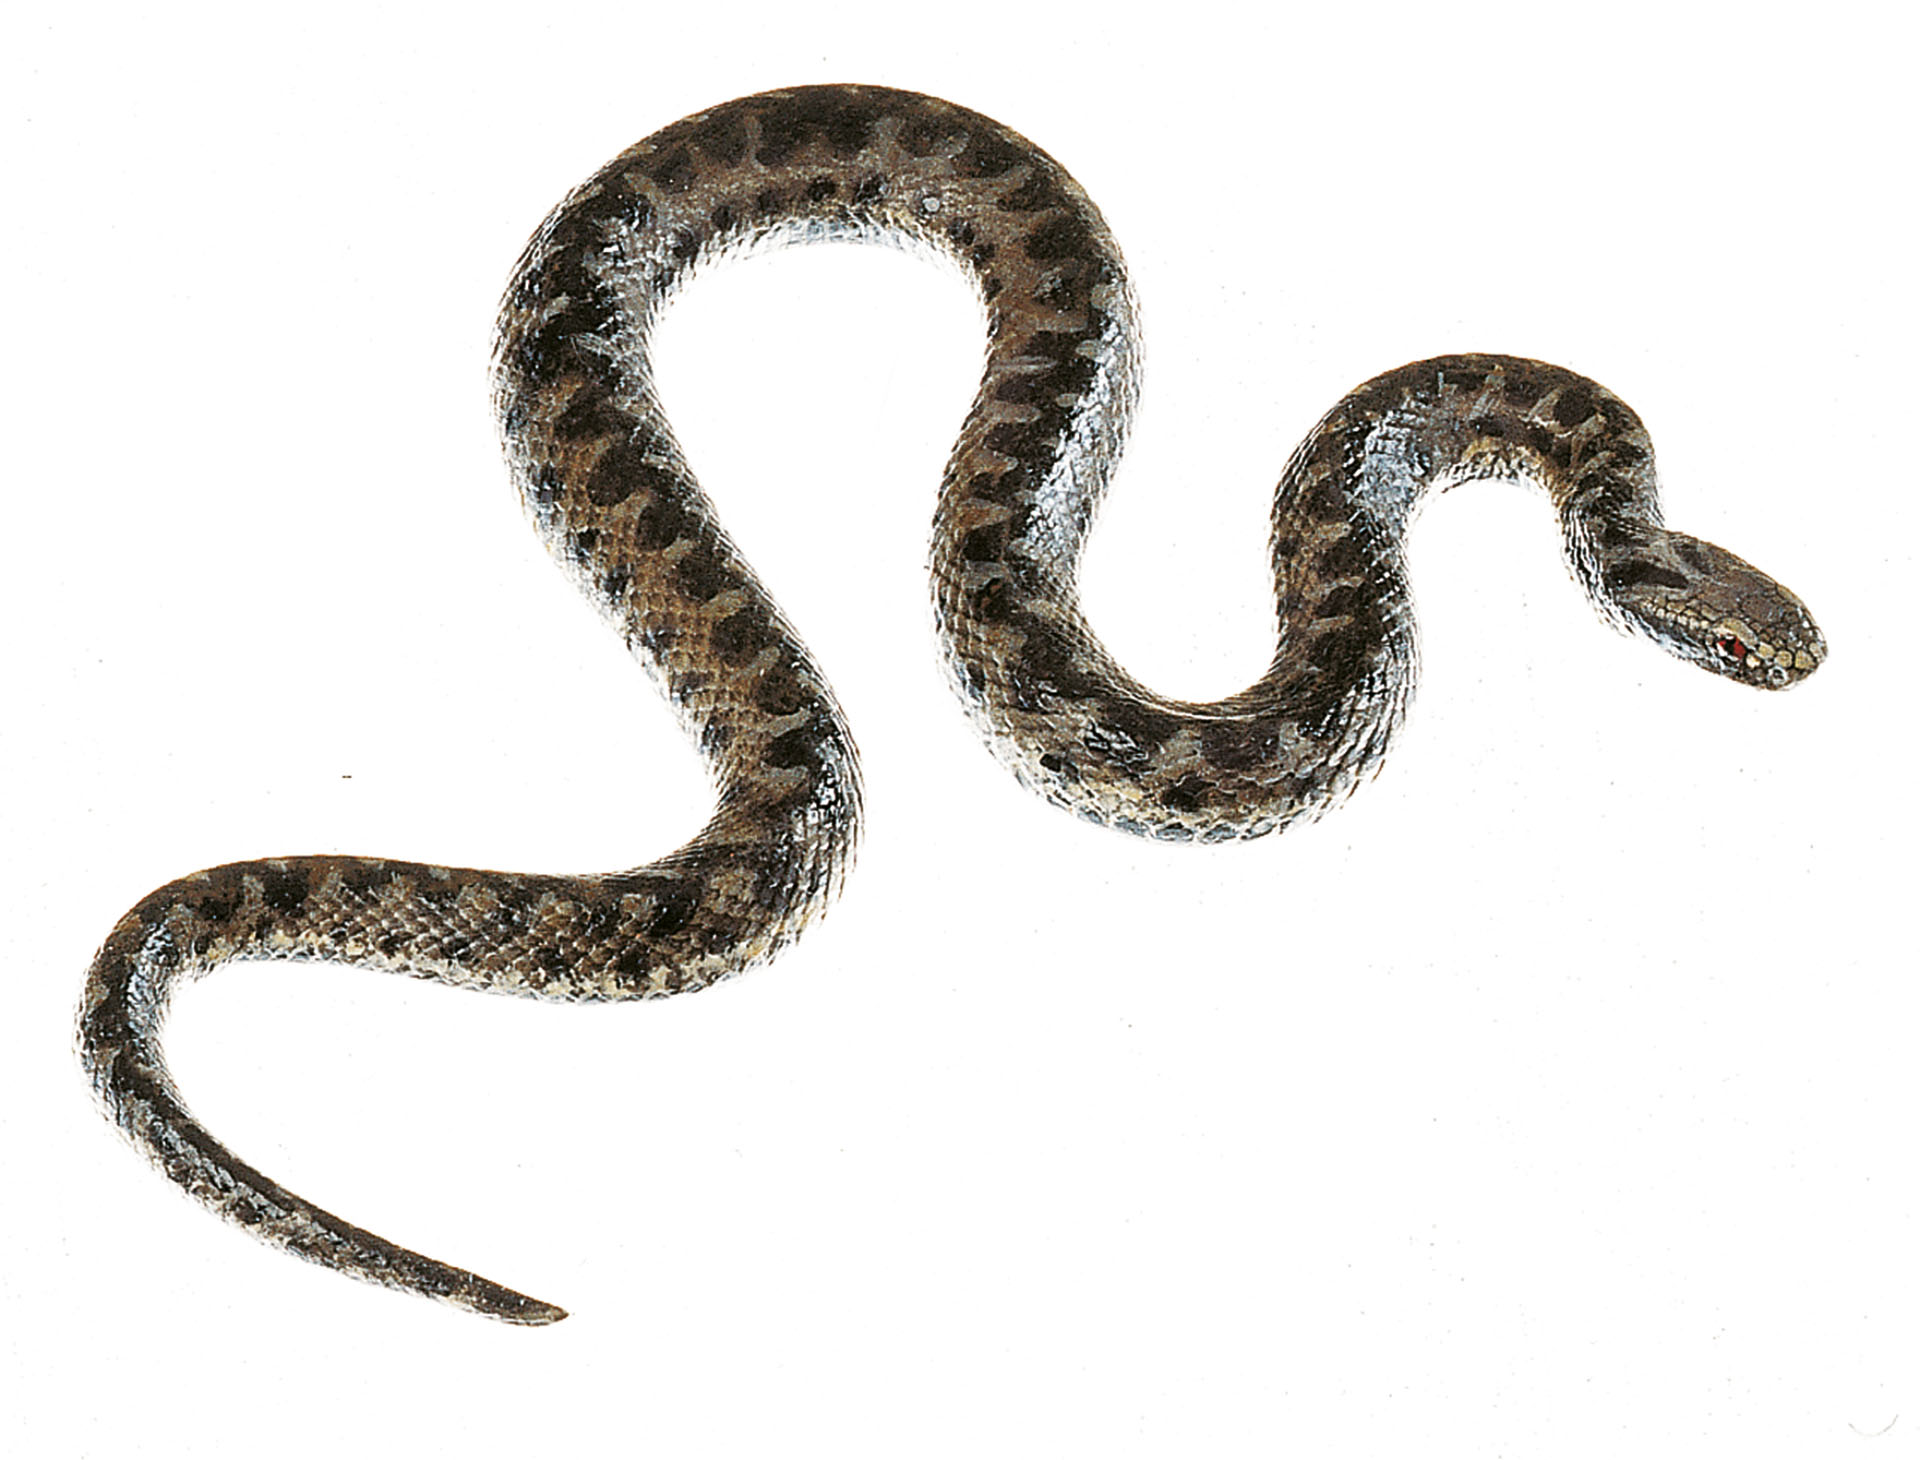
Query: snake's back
<point x="610" y="491"/>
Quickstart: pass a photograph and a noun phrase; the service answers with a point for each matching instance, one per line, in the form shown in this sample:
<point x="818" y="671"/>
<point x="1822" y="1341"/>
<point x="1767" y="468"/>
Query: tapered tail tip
<point x="491" y="1300"/>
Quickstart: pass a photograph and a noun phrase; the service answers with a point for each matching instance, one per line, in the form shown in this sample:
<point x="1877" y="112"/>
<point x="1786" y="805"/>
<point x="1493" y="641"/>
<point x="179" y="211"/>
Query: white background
<point x="1553" y="1098"/>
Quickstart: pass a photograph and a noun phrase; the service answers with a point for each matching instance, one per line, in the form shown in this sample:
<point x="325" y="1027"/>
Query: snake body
<point x="611" y="493"/>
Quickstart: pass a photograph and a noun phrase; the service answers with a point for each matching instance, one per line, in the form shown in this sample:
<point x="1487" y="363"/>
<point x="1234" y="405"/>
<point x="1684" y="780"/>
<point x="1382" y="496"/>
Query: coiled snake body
<point x="611" y="493"/>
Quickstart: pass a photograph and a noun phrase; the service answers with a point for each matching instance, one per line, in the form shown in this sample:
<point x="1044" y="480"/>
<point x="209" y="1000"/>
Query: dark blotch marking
<point x="1022" y="389"/>
<point x="701" y="575"/>
<point x="558" y="266"/>
<point x="1346" y="653"/>
<point x="1574" y="405"/>
<point x="1613" y="494"/>
<point x="672" y="169"/>
<point x="609" y="198"/>
<point x="594" y="310"/>
<point x="432" y="891"/>
<point x="1144" y="726"/>
<point x="1347" y="558"/>
<point x="1004" y="488"/>
<point x="1327" y="501"/>
<point x="660" y="524"/>
<point x="985" y="544"/>
<point x="563" y="275"/>
<point x="363" y="879"/>
<point x="1521" y="394"/>
<point x="987" y="153"/>
<point x="1690" y="550"/>
<point x="621" y="472"/>
<point x="797" y="749"/>
<point x="1040" y="191"/>
<point x="590" y="414"/>
<point x="843" y="119"/>
<point x="1637" y="572"/>
<point x="1551" y="447"/>
<point x="1021" y="439"/>
<point x="821" y="188"/>
<point x="630" y="968"/>
<point x="674" y="910"/>
<point x="1051" y="419"/>
<point x="993" y="602"/>
<point x="1065" y="237"/>
<point x="1342" y="650"/>
<point x="740" y="636"/>
<point x="1239" y="745"/>
<point x="1618" y="535"/>
<point x="779" y="691"/>
<point x="1070" y="375"/>
<point x="1624" y="455"/>
<point x="553" y="350"/>
<point x="1343" y="601"/>
<point x="1048" y="658"/>
<point x="724" y="138"/>
<point x="1185" y="794"/>
<point x="283" y="892"/>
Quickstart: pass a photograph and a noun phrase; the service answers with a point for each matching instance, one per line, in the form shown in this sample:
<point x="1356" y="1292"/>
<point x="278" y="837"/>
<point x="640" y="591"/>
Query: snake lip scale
<point x="610" y="491"/>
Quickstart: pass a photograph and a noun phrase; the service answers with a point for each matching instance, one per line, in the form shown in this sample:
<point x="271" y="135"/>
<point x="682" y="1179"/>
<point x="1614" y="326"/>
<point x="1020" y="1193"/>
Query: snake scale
<point x="611" y="493"/>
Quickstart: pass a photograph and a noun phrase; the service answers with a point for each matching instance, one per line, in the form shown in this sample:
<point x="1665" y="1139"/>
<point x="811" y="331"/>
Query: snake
<point x="610" y="491"/>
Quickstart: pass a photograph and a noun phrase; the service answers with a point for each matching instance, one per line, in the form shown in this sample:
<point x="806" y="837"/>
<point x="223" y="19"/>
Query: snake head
<point x="1701" y="603"/>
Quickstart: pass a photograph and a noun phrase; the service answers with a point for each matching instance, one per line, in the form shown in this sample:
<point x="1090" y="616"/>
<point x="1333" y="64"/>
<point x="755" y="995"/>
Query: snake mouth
<point x="1779" y="669"/>
<point x="1739" y="654"/>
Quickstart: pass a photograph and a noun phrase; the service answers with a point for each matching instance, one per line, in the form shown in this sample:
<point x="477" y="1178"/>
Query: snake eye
<point x="1733" y="648"/>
